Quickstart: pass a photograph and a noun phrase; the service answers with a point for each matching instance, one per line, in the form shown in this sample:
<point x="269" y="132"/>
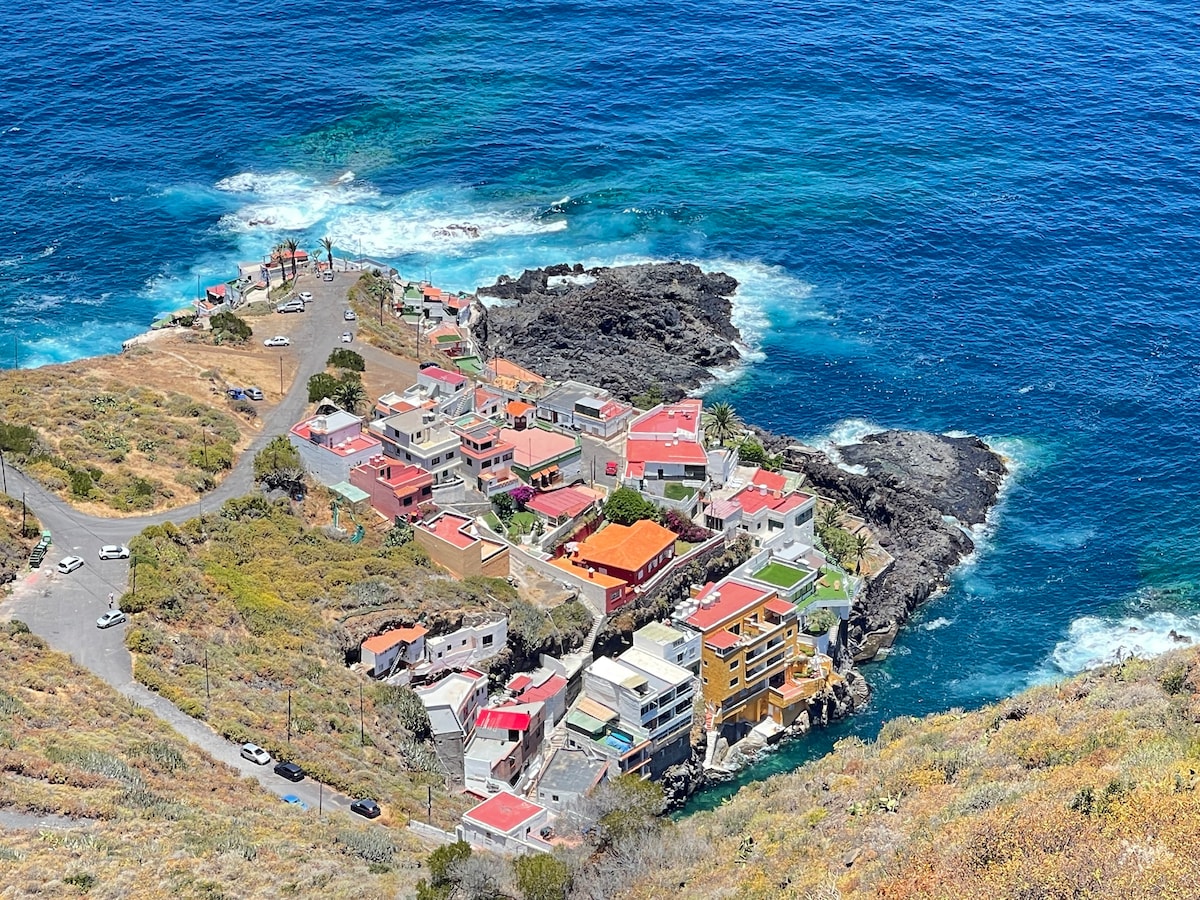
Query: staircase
<point x="589" y="642"/>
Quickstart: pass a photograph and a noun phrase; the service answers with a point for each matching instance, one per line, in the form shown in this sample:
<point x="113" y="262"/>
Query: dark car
<point x="290" y="771"/>
<point x="368" y="808"/>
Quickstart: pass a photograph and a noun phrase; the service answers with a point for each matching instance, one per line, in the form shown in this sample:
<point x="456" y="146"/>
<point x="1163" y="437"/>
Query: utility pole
<point x="289" y="717"/>
<point x="429" y="805"/>
<point x="22" y="512"/>
<point x="281" y="377"/>
<point x="362" y="734"/>
<point x="320" y="797"/>
<point x="204" y="445"/>
<point x="3" y="473"/>
<point x="133" y="590"/>
<point x="207" y="692"/>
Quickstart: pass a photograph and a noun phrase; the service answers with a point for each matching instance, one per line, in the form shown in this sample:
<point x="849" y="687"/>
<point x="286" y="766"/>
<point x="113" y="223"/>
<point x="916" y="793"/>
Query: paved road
<point x="63" y="609"/>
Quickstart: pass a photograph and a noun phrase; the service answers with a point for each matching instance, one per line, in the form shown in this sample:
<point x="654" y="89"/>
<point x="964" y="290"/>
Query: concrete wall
<point x="326" y="467"/>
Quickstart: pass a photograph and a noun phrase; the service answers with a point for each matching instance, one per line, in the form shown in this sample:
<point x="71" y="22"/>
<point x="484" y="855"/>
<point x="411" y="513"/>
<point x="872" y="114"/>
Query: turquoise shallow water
<point x="943" y="217"/>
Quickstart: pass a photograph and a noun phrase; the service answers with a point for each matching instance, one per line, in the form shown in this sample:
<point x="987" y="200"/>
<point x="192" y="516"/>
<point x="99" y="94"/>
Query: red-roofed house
<point x="542" y="686"/>
<point x="563" y="505"/>
<point x="451" y="542"/>
<point x="667" y="444"/>
<point x="505" y="823"/>
<point x="767" y="511"/>
<point x="397" y="490"/>
<point x="215" y="299"/>
<point x="487" y="457"/>
<point x="506" y="740"/>
<point x="381" y="653"/>
<point x="488" y="403"/>
<point x="751" y="653"/>
<point x="332" y="443"/>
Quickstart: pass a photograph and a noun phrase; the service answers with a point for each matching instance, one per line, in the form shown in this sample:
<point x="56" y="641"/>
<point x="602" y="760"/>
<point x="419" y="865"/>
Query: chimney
<point x="762" y="489"/>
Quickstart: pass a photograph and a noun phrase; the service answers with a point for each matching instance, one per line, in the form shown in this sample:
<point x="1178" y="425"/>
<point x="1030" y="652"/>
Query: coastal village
<point x="502" y="473"/>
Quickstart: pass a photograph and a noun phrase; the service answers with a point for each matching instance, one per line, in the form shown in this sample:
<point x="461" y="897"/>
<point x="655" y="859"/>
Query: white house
<point x="332" y="443"/>
<point x="673" y="645"/>
<point x="423" y="438"/>
<point x="468" y="645"/>
<point x="399" y="645"/>
<point x="506" y="740"/>
<point x="506" y="823"/>
<point x="452" y="704"/>
<point x="583" y="407"/>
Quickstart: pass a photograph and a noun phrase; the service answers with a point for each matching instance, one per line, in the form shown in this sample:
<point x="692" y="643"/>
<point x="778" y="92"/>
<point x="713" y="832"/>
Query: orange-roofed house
<point x="752" y="659"/>
<point x="452" y="542"/>
<point x="633" y="553"/>
<point x="449" y="339"/>
<point x="397" y="490"/>
<point x="215" y="299"/>
<point x="488" y="403"/>
<point x="518" y="414"/>
<point x="399" y="646"/>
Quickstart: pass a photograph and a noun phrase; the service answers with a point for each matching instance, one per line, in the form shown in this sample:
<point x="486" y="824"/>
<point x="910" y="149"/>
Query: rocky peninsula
<point x="618" y="328"/>
<point x="624" y="328"/>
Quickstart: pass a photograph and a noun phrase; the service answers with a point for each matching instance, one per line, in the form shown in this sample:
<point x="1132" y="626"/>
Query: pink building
<point x="397" y="490"/>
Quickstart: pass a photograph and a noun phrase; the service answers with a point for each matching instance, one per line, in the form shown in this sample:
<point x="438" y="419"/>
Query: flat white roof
<point x="656" y="667"/>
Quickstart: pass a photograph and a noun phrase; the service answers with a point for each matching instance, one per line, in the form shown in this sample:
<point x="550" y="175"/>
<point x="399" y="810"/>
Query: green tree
<point x="320" y="386"/>
<point x="278" y="464"/>
<point x="831" y="515"/>
<point x="226" y="326"/>
<point x="399" y="534"/>
<point x="292" y="247"/>
<point x="625" y="506"/>
<point x="327" y="243"/>
<point x="211" y="456"/>
<point x="504" y="506"/>
<point x="721" y="423"/>
<point x="820" y="621"/>
<point x="350" y="393"/>
<point x="346" y="359"/>
<point x="861" y="545"/>
<point x="442" y="861"/>
<point x="541" y="876"/>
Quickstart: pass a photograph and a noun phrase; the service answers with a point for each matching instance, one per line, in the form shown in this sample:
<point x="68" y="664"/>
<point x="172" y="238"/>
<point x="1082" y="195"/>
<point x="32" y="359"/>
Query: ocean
<point x="957" y="217"/>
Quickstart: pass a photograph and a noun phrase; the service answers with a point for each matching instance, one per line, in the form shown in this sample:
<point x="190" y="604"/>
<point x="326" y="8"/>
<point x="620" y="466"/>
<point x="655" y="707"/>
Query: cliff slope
<point x="1088" y="789"/>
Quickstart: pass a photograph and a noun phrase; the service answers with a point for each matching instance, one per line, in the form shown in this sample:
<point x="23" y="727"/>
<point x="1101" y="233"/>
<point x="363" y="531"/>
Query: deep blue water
<point x="945" y="216"/>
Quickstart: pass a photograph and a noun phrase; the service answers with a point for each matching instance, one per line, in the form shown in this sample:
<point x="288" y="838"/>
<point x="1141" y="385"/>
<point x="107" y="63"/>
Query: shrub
<point x="81" y="482"/>
<point x="17" y="439"/>
<point x="684" y="528"/>
<point x="346" y="359"/>
<point x="320" y="386"/>
<point x="625" y="506"/>
<point x="228" y="327"/>
<point x="820" y="621"/>
<point x="372" y="845"/>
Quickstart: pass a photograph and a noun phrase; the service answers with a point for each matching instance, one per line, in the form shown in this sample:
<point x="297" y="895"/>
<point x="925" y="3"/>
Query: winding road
<point x="62" y="609"/>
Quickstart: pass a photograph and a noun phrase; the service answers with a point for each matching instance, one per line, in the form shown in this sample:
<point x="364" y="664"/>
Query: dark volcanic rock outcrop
<point x="620" y="328"/>
<point x="914" y="480"/>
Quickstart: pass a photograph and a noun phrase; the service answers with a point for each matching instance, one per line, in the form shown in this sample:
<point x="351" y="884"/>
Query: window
<point x="733" y="681"/>
<point x="733" y="665"/>
<point x="435" y="460"/>
<point x="450" y="455"/>
<point x="804" y="516"/>
<point x="705" y="679"/>
<point x="408" y="456"/>
<point x="554" y="797"/>
<point x="488" y="640"/>
<point x="408" y="501"/>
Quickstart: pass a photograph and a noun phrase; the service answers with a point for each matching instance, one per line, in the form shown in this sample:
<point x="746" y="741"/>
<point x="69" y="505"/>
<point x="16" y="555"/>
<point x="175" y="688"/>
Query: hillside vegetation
<point x="1087" y="789"/>
<point x="166" y="819"/>
<point x="102" y="444"/>
<point x="236" y="616"/>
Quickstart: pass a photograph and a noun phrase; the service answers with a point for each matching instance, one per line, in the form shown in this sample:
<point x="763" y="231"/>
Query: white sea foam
<point x="1094" y="641"/>
<point x="935" y="624"/>
<point x="843" y="434"/>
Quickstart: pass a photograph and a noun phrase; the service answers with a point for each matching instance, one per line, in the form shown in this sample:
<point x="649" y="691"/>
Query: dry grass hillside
<point x="166" y="819"/>
<point x="1087" y="789"/>
<point x="233" y="615"/>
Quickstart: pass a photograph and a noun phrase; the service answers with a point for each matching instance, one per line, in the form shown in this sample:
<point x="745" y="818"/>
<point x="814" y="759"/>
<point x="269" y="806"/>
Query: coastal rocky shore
<point x="619" y="328"/>
<point x="922" y="495"/>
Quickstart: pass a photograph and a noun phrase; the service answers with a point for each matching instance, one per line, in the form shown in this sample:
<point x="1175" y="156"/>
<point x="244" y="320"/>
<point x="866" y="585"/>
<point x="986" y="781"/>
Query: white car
<point x="69" y="564"/>
<point x="347" y="337"/>
<point x="255" y="754"/>
<point x="278" y="341"/>
<point x="114" y="551"/>
<point x="306" y="296"/>
<point x="349" y="315"/>
<point x="110" y="618"/>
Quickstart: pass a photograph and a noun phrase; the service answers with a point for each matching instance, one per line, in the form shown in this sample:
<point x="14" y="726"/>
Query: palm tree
<point x="832" y="514"/>
<point x="327" y="243"/>
<point x="349" y="395"/>
<point x="292" y="247"/>
<point x="860" y="551"/>
<point x="277" y="255"/>
<point x="721" y="422"/>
